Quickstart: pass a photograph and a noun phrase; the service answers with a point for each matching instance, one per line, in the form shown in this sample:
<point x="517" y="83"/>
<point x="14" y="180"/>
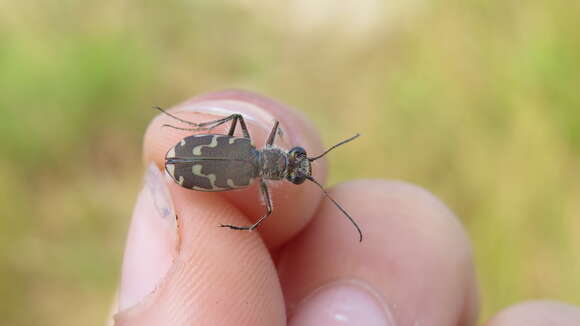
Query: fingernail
<point x="253" y="114"/>
<point x="152" y="241"/>
<point x="342" y="303"/>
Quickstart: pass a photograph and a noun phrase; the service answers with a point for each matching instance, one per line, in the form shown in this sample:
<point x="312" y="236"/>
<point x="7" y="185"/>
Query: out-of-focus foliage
<point x="477" y="101"/>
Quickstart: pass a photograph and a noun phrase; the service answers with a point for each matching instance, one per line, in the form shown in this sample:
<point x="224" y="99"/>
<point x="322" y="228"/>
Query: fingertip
<point x="219" y="277"/>
<point x="538" y="313"/>
<point x="342" y="303"/>
<point x="415" y="253"/>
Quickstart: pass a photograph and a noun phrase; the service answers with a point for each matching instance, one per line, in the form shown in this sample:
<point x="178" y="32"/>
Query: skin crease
<point x="415" y="258"/>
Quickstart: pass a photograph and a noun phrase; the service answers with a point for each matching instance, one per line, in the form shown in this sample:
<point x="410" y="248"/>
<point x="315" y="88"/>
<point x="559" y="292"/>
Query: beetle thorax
<point x="273" y="163"/>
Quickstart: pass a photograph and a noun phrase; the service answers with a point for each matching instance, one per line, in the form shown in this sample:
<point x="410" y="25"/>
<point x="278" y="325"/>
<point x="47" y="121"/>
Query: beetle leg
<point x="209" y="125"/>
<point x="235" y="117"/>
<point x="206" y="126"/>
<point x="174" y="117"/>
<point x="243" y="126"/>
<point x="272" y="135"/>
<point x="267" y="200"/>
<point x="186" y="129"/>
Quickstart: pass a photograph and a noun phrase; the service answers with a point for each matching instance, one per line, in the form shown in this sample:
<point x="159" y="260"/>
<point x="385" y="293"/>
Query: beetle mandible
<point x="215" y="162"/>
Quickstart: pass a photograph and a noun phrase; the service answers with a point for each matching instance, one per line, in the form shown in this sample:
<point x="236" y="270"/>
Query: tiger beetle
<point x="213" y="162"/>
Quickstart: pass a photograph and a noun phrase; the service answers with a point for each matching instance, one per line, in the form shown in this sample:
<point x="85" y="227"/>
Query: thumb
<point x="192" y="272"/>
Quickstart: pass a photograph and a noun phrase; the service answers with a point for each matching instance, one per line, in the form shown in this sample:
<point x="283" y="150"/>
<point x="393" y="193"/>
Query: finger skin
<point x="538" y="313"/>
<point x="292" y="205"/>
<point x="415" y="254"/>
<point x="218" y="278"/>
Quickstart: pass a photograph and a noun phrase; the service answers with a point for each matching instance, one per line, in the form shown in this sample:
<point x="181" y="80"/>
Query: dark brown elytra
<point x="212" y="162"/>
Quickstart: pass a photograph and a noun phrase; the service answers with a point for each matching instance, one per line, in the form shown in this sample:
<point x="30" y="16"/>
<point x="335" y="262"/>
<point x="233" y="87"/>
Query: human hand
<point x="305" y="265"/>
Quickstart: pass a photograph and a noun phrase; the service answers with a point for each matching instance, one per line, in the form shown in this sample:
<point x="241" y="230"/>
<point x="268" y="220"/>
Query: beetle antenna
<point x="334" y="201"/>
<point x="333" y="147"/>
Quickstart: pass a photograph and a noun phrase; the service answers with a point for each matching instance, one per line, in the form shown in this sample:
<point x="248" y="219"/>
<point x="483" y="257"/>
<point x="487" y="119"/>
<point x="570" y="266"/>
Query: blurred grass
<point x="475" y="100"/>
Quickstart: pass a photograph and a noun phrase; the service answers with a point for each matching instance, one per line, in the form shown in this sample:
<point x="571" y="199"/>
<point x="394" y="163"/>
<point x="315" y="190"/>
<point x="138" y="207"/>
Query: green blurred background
<point x="477" y="101"/>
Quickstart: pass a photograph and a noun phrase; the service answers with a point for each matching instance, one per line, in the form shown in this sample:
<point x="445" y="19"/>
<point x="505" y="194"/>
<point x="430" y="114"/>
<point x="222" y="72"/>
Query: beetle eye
<point x="297" y="153"/>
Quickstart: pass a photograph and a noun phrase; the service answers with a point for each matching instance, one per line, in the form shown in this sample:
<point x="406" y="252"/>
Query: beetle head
<point x="298" y="166"/>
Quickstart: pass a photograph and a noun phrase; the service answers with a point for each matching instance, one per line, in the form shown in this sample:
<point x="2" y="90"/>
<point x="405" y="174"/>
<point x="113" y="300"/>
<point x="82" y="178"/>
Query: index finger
<point x="293" y="205"/>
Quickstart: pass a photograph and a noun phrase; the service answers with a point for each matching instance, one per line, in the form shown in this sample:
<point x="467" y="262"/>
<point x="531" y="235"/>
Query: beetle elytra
<point x="215" y="162"/>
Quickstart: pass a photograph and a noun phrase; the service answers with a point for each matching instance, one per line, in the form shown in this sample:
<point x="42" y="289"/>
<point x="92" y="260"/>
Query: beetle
<point x="217" y="162"/>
